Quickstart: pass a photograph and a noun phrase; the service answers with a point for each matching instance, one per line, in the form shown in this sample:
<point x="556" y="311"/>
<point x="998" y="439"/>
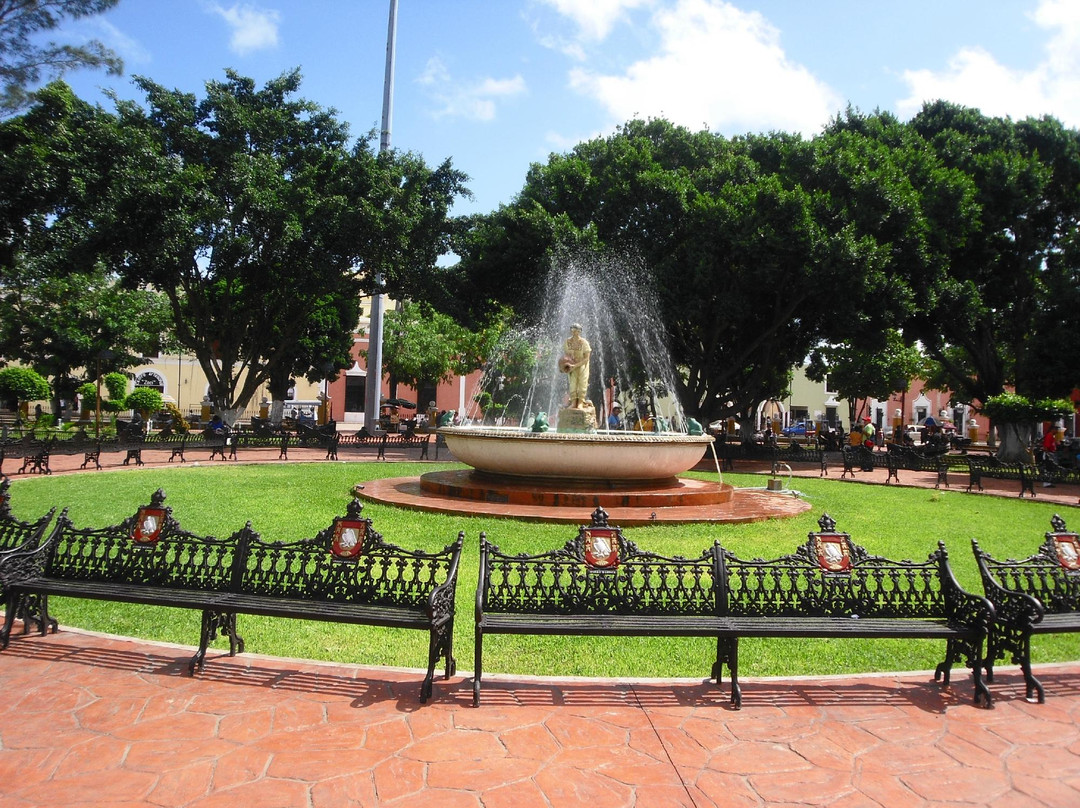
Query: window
<point x="354" y="393"/>
<point x="149" y="378"/>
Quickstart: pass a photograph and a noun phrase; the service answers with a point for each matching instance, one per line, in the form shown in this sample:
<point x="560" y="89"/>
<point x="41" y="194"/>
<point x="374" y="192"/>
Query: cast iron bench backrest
<point x="149" y="548"/>
<point x="831" y="576"/>
<point x="600" y="572"/>
<point x="347" y="562"/>
<point x="15" y="532"/>
<point x="1052" y="575"/>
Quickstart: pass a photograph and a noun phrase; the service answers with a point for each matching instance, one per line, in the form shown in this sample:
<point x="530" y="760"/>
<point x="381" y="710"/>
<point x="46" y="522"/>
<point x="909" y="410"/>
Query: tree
<point x="60" y="311"/>
<point x="144" y="400"/>
<point x="754" y="255"/>
<point x="422" y="347"/>
<point x="70" y="327"/>
<point x="978" y="316"/>
<point x="249" y="211"/>
<point x="24" y="64"/>
<point x="1017" y="418"/>
<point x="24" y="385"/>
<point x="867" y="371"/>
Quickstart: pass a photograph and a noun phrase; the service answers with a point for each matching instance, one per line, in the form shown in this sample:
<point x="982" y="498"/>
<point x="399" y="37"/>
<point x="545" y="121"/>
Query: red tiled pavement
<point x="92" y="719"/>
<point x="88" y="719"/>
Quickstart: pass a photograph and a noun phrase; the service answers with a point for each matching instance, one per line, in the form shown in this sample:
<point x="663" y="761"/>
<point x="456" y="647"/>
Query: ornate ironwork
<point x="564" y="581"/>
<point x="177" y="559"/>
<point x="149" y="556"/>
<point x="1024" y="591"/>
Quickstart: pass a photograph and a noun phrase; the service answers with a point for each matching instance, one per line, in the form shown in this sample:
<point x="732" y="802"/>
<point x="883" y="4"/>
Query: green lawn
<point x="292" y="501"/>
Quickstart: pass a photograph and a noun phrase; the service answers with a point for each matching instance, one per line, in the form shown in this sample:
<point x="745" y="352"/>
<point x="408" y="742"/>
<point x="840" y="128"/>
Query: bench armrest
<point x="481" y="581"/>
<point x="964" y="607"/>
<point x="442" y="597"/>
<point x="24" y="562"/>
<point x="1014" y="608"/>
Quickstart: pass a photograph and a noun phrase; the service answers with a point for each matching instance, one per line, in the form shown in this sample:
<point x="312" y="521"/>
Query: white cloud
<point x="715" y="66"/>
<point x="130" y="50"/>
<point x="595" y="18"/>
<point x="974" y="77"/>
<point x="475" y="100"/>
<point x="253" y="28"/>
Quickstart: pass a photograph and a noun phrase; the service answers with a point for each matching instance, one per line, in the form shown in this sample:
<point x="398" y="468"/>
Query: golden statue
<point x="575" y="364"/>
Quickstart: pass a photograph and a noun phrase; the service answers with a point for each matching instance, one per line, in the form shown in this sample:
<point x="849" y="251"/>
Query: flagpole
<point x="373" y="382"/>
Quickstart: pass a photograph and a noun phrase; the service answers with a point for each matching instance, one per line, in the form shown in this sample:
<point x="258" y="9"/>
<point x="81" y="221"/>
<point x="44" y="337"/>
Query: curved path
<point x="89" y="719"/>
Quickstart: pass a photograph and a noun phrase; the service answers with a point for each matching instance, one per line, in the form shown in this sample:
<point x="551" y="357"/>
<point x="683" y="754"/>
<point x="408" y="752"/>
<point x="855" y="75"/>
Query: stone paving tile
<point x="90" y="720"/>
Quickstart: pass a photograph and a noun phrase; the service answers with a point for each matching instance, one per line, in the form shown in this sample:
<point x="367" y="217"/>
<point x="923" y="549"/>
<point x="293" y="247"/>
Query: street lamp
<point x="373" y="392"/>
<point x="106" y="354"/>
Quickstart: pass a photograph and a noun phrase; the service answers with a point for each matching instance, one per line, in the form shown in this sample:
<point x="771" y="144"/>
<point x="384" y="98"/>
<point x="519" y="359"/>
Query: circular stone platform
<point x="683" y="500"/>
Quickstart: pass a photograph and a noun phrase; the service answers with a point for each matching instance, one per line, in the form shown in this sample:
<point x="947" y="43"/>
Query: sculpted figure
<point x="575" y="364"/>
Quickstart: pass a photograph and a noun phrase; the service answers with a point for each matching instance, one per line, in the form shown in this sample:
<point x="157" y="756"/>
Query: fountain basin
<point x="608" y="456"/>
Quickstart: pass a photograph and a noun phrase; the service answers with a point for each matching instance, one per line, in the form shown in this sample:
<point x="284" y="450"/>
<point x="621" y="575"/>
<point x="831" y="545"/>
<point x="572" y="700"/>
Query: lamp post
<point x="104" y="353"/>
<point x="373" y="390"/>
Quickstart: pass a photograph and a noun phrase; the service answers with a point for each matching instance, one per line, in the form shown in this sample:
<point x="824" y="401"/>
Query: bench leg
<point x="213" y="623"/>
<point x="952" y="653"/>
<point x="727" y="653"/>
<point x="478" y="648"/>
<point x="440" y="645"/>
<point x="1032" y="684"/>
<point x="982" y="692"/>
<point x="11" y="601"/>
<point x="34" y="608"/>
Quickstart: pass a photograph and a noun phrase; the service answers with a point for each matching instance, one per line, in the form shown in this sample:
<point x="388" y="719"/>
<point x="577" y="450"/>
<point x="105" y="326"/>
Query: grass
<point x="292" y="501"/>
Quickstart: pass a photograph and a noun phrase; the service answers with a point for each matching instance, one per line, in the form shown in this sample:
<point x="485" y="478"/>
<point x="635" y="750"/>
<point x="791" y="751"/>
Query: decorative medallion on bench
<point x="601" y="546"/>
<point x="146" y="529"/>
<point x="1066" y="545"/>
<point x="833" y="550"/>
<point x="349" y="535"/>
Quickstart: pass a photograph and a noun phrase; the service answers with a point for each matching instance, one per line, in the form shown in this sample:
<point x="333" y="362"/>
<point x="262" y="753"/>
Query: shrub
<point x="1012" y="408"/>
<point x="145" y="400"/>
<point x="23" y="385"/>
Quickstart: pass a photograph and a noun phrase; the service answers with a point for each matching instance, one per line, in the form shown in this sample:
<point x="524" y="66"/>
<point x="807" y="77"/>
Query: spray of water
<point x="609" y="296"/>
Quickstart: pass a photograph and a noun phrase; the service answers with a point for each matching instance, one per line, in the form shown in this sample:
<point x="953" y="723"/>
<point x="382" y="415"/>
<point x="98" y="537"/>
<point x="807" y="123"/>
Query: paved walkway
<point x="89" y="719"/>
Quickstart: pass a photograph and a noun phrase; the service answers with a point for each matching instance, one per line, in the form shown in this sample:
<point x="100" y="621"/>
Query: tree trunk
<point x="1016" y="443"/>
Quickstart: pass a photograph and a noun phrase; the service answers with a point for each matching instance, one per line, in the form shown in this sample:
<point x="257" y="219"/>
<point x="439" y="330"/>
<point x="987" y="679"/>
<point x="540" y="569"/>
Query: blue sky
<point x="495" y="85"/>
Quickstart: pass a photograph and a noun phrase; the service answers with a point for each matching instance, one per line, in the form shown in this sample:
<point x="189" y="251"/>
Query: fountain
<point x="597" y="342"/>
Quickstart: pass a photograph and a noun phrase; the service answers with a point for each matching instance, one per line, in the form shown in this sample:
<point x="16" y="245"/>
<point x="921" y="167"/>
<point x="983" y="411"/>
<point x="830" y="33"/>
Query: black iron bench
<point x="833" y="588"/>
<point x="1036" y="595"/>
<point x="148" y="558"/>
<point x="344" y="574"/>
<point x="36" y="458"/>
<point x="17" y="535"/>
<point x="361" y="439"/>
<point x="599" y="584"/>
<point x="404" y="440"/>
<point x="348" y="574"/>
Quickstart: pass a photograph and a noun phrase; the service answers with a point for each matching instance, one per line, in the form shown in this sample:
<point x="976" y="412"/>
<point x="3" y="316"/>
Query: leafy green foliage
<point x="249" y="210"/>
<point x="1015" y="408"/>
<point x="23" y="384"/>
<point x="145" y="400"/>
<point x="23" y="61"/>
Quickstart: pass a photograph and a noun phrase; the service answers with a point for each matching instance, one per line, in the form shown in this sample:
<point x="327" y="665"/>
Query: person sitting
<point x="614" y="419"/>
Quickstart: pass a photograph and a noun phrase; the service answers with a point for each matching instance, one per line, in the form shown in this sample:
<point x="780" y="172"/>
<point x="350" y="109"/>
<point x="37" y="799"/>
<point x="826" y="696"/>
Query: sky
<point x="496" y="85"/>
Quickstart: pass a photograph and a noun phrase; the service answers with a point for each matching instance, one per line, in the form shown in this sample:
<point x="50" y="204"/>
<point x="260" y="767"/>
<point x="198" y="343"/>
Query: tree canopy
<point x="252" y="213"/>
<point x="24" y="63"/>
<point x="954" y="231"/>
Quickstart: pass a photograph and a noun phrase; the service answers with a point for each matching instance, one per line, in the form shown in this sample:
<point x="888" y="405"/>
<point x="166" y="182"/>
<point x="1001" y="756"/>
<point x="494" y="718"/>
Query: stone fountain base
<point x="680" y="500"/>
